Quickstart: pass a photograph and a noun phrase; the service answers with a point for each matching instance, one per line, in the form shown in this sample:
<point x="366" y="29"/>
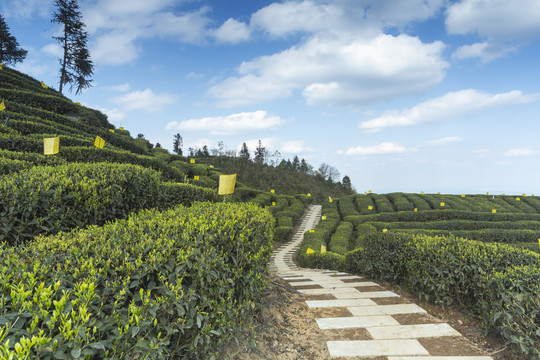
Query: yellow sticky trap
<point x="538" y="242"/>
<point x="311" y="231"/>
<point x="462" y="195"/>
<point x="438" y="193"/>
<point x="226" y="184"/>
<point x="309" y="195"/>
<point x="2" y="106"/>
<point x="384" y="230"/>
<point x="111" y="130"/>
<point x="273" y="191"/>
<point x="523" y="194"/>
<point x="494" y="211"/>
<point x="415" y="210"/>
<point x="487" y="193"/>
<point x="369" y="191"/>
<point x="323" y="249"/>
<point x="120" y="128"/>
<point x="196" y="177"/>
<point x="330" y="199"/>
<point x="518" y="199"/>
<point x="192" y="161"/>
<point x="211" y="166"/>
<point x="44" y="86"/>
<point x="323" y="217"/>
<point x="365" y="192"/>
<point x="421" y="192"/>
<point x="310" y="251"/>
<point x="99" y="142"/>
<point x="370" y="207"/>
<point x="442" y="204"/>
<point x="273" y="203"/>
<point x="78" y="103"/>
<point x="51" y="145"/>
<point x="1" y="66"/>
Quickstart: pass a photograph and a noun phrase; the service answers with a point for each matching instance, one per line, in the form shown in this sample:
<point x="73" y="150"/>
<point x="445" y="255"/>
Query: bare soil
<point x="286" y="330"/>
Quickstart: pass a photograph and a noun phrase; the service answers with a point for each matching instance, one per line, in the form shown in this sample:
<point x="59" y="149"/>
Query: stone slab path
<point x="393" y="328"/>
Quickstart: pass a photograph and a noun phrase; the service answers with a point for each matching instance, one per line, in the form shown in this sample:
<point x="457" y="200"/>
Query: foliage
<point x="76" y="65"/>
<point x="10" y="52"/>
<point x="172" y="284"/>
<point x="339" y="242"/>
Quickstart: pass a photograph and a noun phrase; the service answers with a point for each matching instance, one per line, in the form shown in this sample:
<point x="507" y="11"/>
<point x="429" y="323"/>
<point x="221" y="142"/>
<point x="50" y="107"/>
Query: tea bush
<point x="173" y="284"/>
<point x="339" y="242"/>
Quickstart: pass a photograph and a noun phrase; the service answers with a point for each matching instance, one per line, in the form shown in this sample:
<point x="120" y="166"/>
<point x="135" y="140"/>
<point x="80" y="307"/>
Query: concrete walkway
<point x="388" y="327"/>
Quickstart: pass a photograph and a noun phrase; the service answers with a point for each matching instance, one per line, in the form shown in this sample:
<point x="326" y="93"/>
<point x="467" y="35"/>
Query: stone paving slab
<point x="339" y="303"/>
<point x="357" y="322"/>
<point x="386" y="310"/>
<point x="410" y="331"/>
<point x="439" y="358"/>
<point x="375" y="348"/>
<point x="329" y="291"/>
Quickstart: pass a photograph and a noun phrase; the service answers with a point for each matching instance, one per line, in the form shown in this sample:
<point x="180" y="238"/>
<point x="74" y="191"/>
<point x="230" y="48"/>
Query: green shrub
<point x="401" y="203"/>
<point x="173" y="194"/>
<point x="160" y="285"/>
<point x="328" y="260"/>
<point x="48" y="199"/>
<point x="284" y="221"/>
<point x="339" y="242"/>
<point x="8" y="166"/>
<point x="283" y="233"/>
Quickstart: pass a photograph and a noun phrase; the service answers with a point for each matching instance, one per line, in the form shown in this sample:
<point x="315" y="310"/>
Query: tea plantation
<point x="477" y="252"/>
<point x="124" y="251"/>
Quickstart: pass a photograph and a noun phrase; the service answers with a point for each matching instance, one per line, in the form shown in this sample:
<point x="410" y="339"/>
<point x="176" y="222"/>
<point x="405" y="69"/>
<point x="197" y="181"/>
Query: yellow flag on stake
<point x="196" y="177"/>
<point x="324" y="217"/>
<point x="323" y="249"/>
<point x="370" y="207"/>
<point x="44" y="86"/>
<point x="415" y="210"/>
<point x="51" y="145"/>
<point x="99" y="142"/>
<point x="494" y="211"/>
<point x="421" y="192"/>
<point x="273" y="191"/>
<point x="120" y="128"/>
<point x="518" y="199"/>
<point x="273" y="203"/>
<point x="78" y="103"/>
<point x="2" y="106"/>
<point x="111" y="130"/>
<point x="442" y="204"/>
<point x="226" y="184"/>
<point x="309" y="195"/>
<point x="192" y="161"/>
<point x="462" y="195"/>
<point x="310" y="251"/>
<point x="384" y="230"/>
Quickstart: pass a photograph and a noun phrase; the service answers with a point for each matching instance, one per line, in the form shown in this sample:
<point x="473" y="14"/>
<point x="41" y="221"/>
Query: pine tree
<point x="296" y="163"/>
<point x="244" y="152"/>
<point x="10" y="53"/>
<point x="260" y="153"/>
<point x="346" y="182"/>
<point x="177" y="144"/>
<point x="205" y="152"/>
<point x="76" y="65"/>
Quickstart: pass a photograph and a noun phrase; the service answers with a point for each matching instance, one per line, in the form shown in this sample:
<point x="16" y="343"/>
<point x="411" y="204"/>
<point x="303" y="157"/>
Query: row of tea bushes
<point x="510" y="236"/>
<point x="498" y="282"/>
<point x="159" y="285"/>
<point x="47" y="199"/>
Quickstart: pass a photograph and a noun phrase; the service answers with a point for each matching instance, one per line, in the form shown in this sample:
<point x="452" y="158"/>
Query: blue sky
<point x="400" y="95"/>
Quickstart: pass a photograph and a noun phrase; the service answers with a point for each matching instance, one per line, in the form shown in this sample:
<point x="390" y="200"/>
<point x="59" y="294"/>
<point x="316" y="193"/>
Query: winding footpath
<point x="382" y="324"/>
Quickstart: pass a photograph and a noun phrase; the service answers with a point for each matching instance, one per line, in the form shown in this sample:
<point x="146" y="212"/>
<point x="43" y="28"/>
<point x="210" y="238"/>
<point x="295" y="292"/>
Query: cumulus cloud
<point x="504" y="24"/>
<point x="119" y="88"/>
<point x="272" y="144"/>
<point x="518" y="152"/>
<point x="53" y="49"/>
<point x="233" y="124"/>
<point x="26" y="8"/>
<point x="383" y="148"/>
<point x="114" y="115"/>
<point x="341" y="71"/>
<point x="232" y="31"/>
<point x="444" y="141"/>
<point x="143" y="100"/>
<point x="451" y="105"/>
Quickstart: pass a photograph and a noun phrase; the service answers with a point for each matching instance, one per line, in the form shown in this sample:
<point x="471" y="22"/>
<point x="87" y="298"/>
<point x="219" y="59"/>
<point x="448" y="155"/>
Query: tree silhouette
<point x="10" y="53"/>
<point x="177" y="144"/>
<point x="75" y="66"/>
<point x="244" y="152"/>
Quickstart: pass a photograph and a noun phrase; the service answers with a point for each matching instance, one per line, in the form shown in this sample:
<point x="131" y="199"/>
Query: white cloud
<point x="115" y="48"/>
<point x="26" y="8"/>
<point x="294" y="147"/>
<point x="504" y="24"/>
<point x="383" y="148"/>
<point x="189" y="27"/>
<point x="233" y="124"/>
<point x="194" y="75"/>
<point x="452" y="105"/>
<point x="518" y="152"/>
<point x="444" y="141"/>
<point x="53" y="49"/>
<point x="290" y="147"/>
<point x="119" y="88"/>
<point x="232" y="31"/>
<point x="333" y="70"/>
<point x="143" y="100"/>
<point x="114" y="115"/>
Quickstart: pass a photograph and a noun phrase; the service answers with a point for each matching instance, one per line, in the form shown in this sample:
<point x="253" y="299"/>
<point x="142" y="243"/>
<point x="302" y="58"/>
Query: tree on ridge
<point x="10" y="52"/>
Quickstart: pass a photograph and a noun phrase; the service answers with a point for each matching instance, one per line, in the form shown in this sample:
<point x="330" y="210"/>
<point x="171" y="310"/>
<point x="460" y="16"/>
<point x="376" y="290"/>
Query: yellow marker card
<point x="78" y="103"/>
<point x="438" y="193"/>
<point x="462" y="195"/>
<point x="487" y="193"/>
<point x="273" y="191"/>
<point x="323" y="249"/>
<point x="311" y="231"/>
<point x="310" y="251"/>
<point x="323" y="217"/>
<point x="2" y="106"/>
<point x="421" y="192"/>
<point x="523" y="194"/>
<point x="192" y="161"/>
<point x="330" y="200"/>
<point x="1" y="66"/>
<point x="120" y="128"/>
<point x="415" y="210"/>
<point x="384" y="230"/>
<point x="370" y="207"/>
<point x="196" y="177"/>
<point x="226" y="184"/>
<point x="442" y="204"/>
<point x="494" y="211"/>
<point x="44" y="86"/>
<point x="273" y="203"/>
<point x="99" y="142"/>
<point x="211" y="166"/>
<point x="538" y="242"/>
<point x="111" y="130"/>
<point x="51" y="145"/>
<point x="369" y="191"/>
<point x="309" y="195"/>
<point x="365" y="192"/>
<point x="518" y="199"/>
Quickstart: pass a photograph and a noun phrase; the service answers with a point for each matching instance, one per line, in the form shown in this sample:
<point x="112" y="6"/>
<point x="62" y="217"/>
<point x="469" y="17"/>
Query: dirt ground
<point x="286" y="330"/>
